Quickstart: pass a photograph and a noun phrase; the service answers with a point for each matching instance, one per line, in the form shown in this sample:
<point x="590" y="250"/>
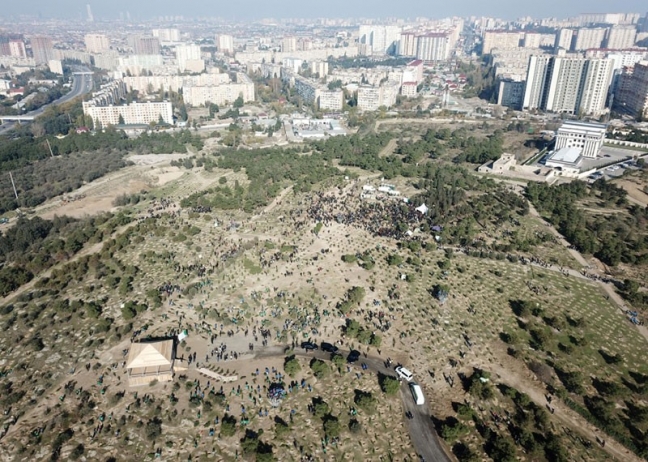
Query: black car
<point x="329" y="347"/>
<point x="309" y="346"/>
<point x="354" y="355"/>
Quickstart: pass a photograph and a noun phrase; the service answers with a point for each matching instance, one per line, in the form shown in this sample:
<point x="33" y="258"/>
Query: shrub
<point x="389" y="385"/>
<point x="291" y="365"/>
<point x="153" y="429"/>
<point x="349" y="258"/>
<point x="228" y="425"/>
<point x="365" y="400"/>
<point x="319" y="367"/>
<point x="331" y="426"/>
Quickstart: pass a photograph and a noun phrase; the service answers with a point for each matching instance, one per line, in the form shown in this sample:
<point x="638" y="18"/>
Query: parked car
<point x="354" y="355"/>
<point x="329" y="347"/>
<point x="309" y="346"/>
<point x="404" y="373"/>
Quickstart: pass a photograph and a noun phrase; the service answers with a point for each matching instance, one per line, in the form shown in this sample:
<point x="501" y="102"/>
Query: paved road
<point x="421" y="428"/>
<point x="81" y="84"/>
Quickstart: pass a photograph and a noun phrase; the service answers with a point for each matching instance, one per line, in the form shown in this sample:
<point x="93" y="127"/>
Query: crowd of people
<point x="388" y="218"/>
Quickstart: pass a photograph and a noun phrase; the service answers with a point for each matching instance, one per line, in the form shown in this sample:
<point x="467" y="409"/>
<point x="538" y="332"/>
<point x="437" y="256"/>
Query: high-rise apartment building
<point x="510" y="93"/>
<point x="608" y="18"/>
<point x="594" y="91"/>
<point x="532" y="40"/>
<point x="304" y="44"/>
<point x="225" y="43"/>
<point x="621" y="37"/>
<point x="42" y="49"/>
<point x="433" y="47"/>
<point x="407" y="44"/>
<point x="319" y="68"/>
<point x="643" y="25"/>
<point x="379" y="40"/>
<point x="536" y="82"/>
<point x="17" y="49"/>
<point x="587" y="38"/>
<point x="501" y="40"/>
<point x="632" y="92"/>
<point x="567" y="85"/>
<point x="187" y="56"/>
<point x="289" y="44"/>
<point x="96" y="43"/>
<point x="167" y="35"/>
<point x="564" y="38"/>
<point x="145" y="45"/>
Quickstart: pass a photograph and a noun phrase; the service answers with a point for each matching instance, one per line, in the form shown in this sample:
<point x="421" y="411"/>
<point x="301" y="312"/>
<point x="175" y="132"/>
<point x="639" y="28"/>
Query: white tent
<point x="423" y="209"/>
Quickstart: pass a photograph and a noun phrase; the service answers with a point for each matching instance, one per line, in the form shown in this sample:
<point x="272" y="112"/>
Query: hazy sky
<point x="243" y="9"/>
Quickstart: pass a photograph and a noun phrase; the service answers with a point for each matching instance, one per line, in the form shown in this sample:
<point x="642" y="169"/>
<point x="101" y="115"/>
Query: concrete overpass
<point x="16" y="118"/>
<point x="81" y="84"/>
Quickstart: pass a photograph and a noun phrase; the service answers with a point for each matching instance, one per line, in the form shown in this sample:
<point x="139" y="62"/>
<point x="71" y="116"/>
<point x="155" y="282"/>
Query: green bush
<point x="320" y="368"/>
<point x="291" y="365"/>
<point x="228" y="425"/>
<point x="389" y="385"/>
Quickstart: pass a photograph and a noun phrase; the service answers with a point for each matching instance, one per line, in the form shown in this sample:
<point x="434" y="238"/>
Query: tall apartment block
<point x="42" y="49"/>
<point x="407" y="44"/>
<point x="379" y="40"/>
<point x="564" y="38"/>
<point x="587" y="38"/>
<point x="289" y="44"/>
<point x="433" y="47"/>
<point x="567" y="85"/>
<point x="17" y="49"/>
<point x="632" y="91"/>
<point x="621" y="37"/>
<point x="145" y="45"/>
<point x="189" y="58"/>
<point x="96" y="43"/>
<point x="167" y="35"/>
<point x="225" y="43"/>
<point x="501" y="40"/>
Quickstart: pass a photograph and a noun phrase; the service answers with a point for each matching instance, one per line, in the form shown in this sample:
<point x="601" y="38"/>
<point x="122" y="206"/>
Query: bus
<point x="417" y="393"/>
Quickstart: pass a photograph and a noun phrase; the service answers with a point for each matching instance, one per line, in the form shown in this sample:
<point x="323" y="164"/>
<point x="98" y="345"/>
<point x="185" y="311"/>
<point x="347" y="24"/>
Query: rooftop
<point x="577" y="124"/>
<point x="566" y="155"/>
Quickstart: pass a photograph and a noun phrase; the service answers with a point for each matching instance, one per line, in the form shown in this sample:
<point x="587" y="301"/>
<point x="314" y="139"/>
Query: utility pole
<point x="13" y="184"/>
<point x="50" y="147"/>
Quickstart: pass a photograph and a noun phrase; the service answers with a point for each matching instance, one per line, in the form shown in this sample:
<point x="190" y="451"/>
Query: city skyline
<point x="255" y="9"/>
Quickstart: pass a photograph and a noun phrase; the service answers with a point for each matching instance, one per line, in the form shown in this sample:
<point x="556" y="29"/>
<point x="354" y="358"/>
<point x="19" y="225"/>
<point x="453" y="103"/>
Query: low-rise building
<point x="130" y="114"/>
<point x="150" y="361"/>
<point x="104" y="108"/>
<point x="55" y="66"/>
<point x="566" y="160"/>
<point x="409" y="90"/>
<point x="371" y="98"/>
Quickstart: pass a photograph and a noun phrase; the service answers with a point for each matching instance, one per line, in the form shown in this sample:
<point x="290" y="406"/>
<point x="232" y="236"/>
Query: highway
<point x="82" y="83"/>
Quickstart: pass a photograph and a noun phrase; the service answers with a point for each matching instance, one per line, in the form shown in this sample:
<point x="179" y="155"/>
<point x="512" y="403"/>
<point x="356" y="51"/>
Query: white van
<point x="417" y="393"/>
<point x="404" y="373"/>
